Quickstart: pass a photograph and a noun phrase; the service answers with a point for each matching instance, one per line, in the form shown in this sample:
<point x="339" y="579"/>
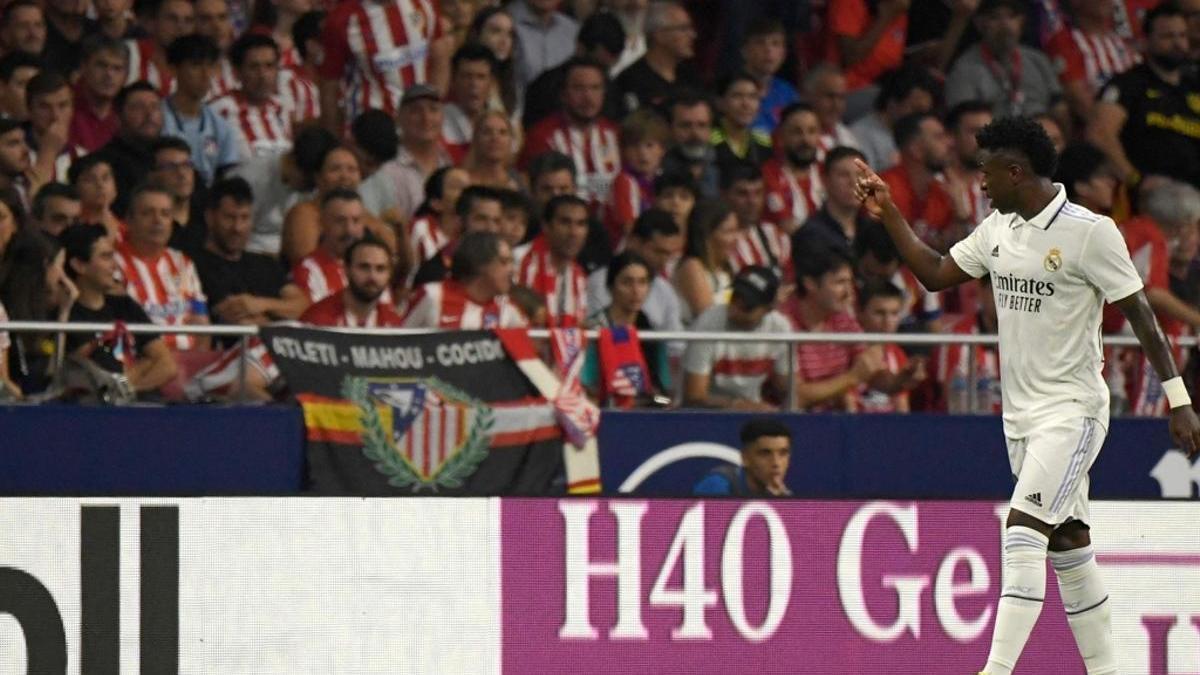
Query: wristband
<point x="1177" y="393"/>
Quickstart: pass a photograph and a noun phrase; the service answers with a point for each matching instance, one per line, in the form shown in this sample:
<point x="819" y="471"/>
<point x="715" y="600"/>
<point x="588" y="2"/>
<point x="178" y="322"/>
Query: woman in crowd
<point x="493" y="28"/>
<point x="337" y="168"/>
<point x="628" y="281"/>
<point x="92" y="177"/>
<point x="704" y="276"/>
<point x="33" y="287"/>
<point x="492" y="156"/>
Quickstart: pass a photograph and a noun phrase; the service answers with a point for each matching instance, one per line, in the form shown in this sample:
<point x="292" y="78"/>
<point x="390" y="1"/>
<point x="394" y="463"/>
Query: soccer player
<point x="1052" y="264"/>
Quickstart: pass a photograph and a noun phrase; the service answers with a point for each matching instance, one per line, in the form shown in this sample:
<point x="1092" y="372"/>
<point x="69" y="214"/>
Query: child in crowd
<point x="643" y="139"/>
<point x="879" y="306"/>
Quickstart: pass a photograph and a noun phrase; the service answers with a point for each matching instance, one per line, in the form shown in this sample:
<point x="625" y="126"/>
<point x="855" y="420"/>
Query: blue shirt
<point x="780" y="94"/>
<point x="723" y="481"/>
<point x="210" y="137"/>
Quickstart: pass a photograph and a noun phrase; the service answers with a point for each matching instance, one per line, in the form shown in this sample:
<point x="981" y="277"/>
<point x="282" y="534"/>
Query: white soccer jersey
<point x="1051" y="276"/>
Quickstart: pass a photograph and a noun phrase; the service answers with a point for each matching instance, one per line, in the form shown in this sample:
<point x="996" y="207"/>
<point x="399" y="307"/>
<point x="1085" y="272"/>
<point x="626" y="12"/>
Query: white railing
<point x="244" y="333"/>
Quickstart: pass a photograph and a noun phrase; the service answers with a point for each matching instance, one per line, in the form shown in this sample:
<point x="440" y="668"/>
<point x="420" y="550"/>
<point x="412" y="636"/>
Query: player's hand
<point x="1185" y="429"/>
<point x="870" y="189"/>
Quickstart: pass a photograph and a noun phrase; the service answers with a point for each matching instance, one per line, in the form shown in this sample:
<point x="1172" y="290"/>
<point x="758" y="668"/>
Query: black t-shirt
<point x="116" y="308"/>
<point x="1162" y="128"/>
<point x="59" y="53"/>
<point x="638" y="85"/>
<point x="253" y="273"/>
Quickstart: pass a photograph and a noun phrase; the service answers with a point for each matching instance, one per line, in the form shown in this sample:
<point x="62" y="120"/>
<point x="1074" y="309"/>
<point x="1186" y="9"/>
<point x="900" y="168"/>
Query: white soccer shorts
<point x="1051" y="468"/>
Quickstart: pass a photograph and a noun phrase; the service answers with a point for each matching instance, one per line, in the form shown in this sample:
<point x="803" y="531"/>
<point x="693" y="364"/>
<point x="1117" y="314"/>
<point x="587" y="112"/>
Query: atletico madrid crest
<point x="422" y="434"/>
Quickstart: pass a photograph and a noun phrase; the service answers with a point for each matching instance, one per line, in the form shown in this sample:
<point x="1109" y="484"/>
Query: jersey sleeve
<point x="1066" y="57"/>
<point x="1106" y="263"/>
<point x="974" y="254"/>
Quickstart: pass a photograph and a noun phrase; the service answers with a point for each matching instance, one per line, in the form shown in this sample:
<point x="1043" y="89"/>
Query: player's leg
<point x="1048" y="467"/>
<point x="1084" y="595"/>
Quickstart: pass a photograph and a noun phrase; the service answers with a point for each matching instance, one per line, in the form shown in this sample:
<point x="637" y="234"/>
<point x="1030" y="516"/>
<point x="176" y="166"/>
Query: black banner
<point x="445" y="413"/>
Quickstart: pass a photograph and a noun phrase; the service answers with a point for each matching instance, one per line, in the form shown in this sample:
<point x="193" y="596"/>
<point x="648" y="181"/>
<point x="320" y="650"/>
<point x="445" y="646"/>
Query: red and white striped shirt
<point x="457" y="130"/>
<point x="332" y="312"/>
<point x="766" y="245"/>
<point x="444" y="304"/>
<point x="871" y="400"/>
<point x="319" y="275"/>
<point x="952" y="363"/>
<point x="378" y="48"/>
<point x="427" y="237"/>
<point x="142" y="66"/>
<point x="821" y="361"/>
<point x="565" y="291"/>
<point x="225" y="81"/>
<point x="265" y="127"/>
<point x="289" y="58"/>
<point x="790" y="197"/>
<point x="1092" y="58"/>
<point x="167" y="287"/>
<point x="625" y="202"/>
<point x="299" y="96"/>
<point x="62" y="163"/>
<point x="594" y="149"/>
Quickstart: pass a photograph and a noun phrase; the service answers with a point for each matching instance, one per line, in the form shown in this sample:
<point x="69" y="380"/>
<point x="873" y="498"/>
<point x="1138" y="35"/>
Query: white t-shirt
<point x="737" y="369"/>
<point x="1051" y="277"/>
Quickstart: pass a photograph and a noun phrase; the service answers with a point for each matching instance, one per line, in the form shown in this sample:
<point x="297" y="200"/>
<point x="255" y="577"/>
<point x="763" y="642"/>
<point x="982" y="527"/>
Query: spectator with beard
<point x="733" y="139"/>
<point x="321" y="273"/>
<point x="129" y="153"/>
<point x="552" y="174"/>
<point x="363" y="302"/>
<point x="580" y="131"/>
<point x="919" y="194"/>
<point x="23" y="27"/>
<point x="1161" y="87"/>
<point x="242" y="287"/>
<point x="475" y="296"/>
<point x="144" y="359"/>
<point x="793" y="175"/>
<point x="338" y="169"/>
<point x="600" y="38"/>
<point x="902" y="92"/>
<point x="690" y="116"/>
<point x="252" y="109"/>
<point x="964" y="178"/>
<point x="670" y="43"/>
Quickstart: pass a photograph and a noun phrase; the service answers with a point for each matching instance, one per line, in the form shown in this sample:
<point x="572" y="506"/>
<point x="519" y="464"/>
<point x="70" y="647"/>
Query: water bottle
<point x="958" y="402"/>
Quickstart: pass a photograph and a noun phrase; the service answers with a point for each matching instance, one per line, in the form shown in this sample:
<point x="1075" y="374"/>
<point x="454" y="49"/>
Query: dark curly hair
<point x="1023" y="135"/>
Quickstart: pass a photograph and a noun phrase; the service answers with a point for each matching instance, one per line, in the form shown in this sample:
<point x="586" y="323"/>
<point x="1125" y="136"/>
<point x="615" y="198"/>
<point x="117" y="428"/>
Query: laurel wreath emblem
<point x="378" y="448"/>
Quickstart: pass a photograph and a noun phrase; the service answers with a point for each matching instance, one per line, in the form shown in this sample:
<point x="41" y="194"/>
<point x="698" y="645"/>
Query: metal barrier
<point x="244" y="333"/>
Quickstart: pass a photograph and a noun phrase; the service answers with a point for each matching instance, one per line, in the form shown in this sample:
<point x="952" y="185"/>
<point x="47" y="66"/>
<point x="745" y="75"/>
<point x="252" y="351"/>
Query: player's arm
<point x="1184" y="425"/>
<point x="934" y="270"/>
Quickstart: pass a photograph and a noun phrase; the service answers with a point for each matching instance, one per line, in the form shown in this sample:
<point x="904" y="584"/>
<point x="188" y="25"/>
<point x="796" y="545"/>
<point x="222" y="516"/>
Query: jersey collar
<point x="1044" y="219"/>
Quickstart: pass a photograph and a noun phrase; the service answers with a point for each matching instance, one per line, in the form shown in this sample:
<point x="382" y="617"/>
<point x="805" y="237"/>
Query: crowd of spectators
<point x="649" y="164"/>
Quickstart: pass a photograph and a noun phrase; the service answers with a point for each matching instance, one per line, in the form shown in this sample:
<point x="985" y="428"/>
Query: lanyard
<point x="1009" y="80"/>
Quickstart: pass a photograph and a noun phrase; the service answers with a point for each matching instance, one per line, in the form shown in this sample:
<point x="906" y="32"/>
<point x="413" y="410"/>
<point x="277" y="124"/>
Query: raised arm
<point x="1184" y="425"/>
<point x="934" y="270"/>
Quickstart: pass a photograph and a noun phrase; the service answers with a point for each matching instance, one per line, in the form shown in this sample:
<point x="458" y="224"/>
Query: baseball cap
<point x="418" y="92"/>
<point x="756" y="285"/>
<point x="988" y="6"/>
